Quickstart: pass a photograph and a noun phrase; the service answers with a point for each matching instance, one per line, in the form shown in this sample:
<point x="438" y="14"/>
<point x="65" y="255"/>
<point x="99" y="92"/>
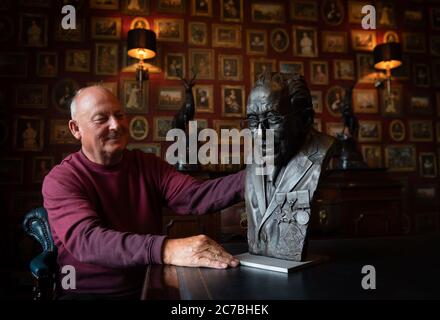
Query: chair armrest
<point x="44" y="265"/>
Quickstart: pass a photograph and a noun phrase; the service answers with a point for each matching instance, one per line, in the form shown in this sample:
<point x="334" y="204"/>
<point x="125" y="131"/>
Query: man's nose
<point x="114" y="123"/>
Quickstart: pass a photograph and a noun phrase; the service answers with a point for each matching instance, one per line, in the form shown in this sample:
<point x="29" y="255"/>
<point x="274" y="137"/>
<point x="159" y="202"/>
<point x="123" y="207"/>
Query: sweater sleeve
<point x="75" y="222"/>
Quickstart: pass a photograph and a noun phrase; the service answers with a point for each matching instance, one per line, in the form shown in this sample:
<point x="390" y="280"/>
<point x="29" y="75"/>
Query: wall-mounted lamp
<point x="388" y="56"/>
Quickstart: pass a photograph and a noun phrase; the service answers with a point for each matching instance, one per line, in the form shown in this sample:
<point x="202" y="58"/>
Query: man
<point x="104" y="204"/>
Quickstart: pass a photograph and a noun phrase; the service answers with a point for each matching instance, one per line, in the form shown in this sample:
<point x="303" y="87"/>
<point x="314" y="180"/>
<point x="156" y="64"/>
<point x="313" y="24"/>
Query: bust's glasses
<point x="268" y="122"/>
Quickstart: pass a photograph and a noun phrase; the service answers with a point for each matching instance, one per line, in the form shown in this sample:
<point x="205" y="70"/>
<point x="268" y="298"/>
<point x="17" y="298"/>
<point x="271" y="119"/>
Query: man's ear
<point x="73" y="126"/>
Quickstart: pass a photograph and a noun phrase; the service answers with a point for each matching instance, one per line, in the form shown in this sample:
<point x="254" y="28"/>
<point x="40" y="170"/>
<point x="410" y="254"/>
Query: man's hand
<point x="197" y="251"/>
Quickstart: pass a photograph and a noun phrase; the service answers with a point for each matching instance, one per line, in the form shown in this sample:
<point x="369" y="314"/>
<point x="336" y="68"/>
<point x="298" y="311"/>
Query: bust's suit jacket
<point x="272" y="230"/>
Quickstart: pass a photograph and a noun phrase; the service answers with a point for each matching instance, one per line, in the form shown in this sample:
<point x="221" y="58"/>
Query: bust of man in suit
<point x="278" y="203"/>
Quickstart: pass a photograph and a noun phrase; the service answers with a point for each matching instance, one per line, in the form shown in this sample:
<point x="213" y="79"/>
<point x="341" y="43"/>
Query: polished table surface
<point x="406" y="268"/>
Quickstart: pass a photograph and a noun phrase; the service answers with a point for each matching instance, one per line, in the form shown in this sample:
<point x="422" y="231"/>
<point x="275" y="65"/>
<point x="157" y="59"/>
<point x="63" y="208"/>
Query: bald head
<point x="88" y="96"/>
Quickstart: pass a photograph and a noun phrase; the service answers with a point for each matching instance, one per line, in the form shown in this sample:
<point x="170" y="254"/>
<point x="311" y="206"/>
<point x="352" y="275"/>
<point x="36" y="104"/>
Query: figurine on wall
<point x="278" y="204"/>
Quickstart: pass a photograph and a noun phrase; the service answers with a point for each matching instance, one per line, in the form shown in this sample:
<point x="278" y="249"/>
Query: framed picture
<point x="372" y="155"/>
<point x="292" y="67"/>
<point x="435" y="18"/>
<point x="167" y="6"/>
<point x="230" y="67"/>
<point x="198" y="33"/>
<point x="420" y="104"/>
<point x="317" y="124"/>
<point x="136" y="7"/>
<point x="334" y="100"/>
<point x="201" y="61"/>
<point x="319" y="72"/>
<point x="60" y="133"/>
<point x="370" y="131"/>
<point x="14" y="65"/>
<point x="175" y="66"/>
<point x="77" y="60"/>
<point x="70" y="35"/>
<point x="226" y="36"/>
<point x="421" y="75"/>
<point x="362" y="40"/>
<point x="365" y="101"/>
<point x="428" y="165"/>
<point x="400" y="158"/>
<point x="133" y="99"/>
<point x="31" y="96"/>
<point x="355" y="14"/>
<point x="169" y="29"/>
<point x="104" y="5"/>
<point x="392" y="104"/>
<point x="106" y="59"/>
<point x="33" y="30"/>
<point x="6" y="28"/>
<point x="146" y="147"/>
<point x="305" y="42"/>
<point x="256" y="42"/>
<point x="201" y="8"/>
<point x="385" y="11"/>
<point x="111" y="86"/>
<point x="390" y="36"/>
<point x="435" y="72"/>
<point x="107" y="28"/>
<point x="11" y="171"/>
<point x="161" y="126"/>
<point x="413" y="42"/>
<point x="41" y="167"/>
<point x="333" y="41"/>
<point x="28" y="133"/>
<point x="316" y="100"/>
<point x="332" y="12"/>
<point x="420" y="131"/>
<point x="47" y="64"/>
<point x="397" y="130"/>
<point x="343" y="69"/>
<point x="304" y="10"/>
<point x="426" y="196"/>
<point x="279" y="40"/>
<point x="268" y="13"/>
<point x="204" y="98"/>
<point x="62" y="94"/>
<point x="220" y="125"/>
<point x="334" y="128"/>
<point x="231" y="10"/>
<point x="414" y="17"/>
<point x="170" y="98"/>
<point x="365" y="68"/>
<point x="261" y="66"/>
<point x="139" y="23"/>
<point x="138" y="128"/>
<point x="233" y="101"/>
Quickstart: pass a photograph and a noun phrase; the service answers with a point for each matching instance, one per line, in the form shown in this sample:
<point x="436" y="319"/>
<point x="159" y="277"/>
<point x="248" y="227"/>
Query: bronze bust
<point x="278" y="204"/>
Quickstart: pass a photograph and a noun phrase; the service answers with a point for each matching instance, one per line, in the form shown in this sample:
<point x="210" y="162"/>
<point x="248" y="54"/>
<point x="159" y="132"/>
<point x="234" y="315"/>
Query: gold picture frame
<point x="256" y="42"/>
<point x="204" y="98"/>
<point x="201" y="8"/>
<point x="231" y="10"/>
<point x="305" y="41"/>
<point x="233" y="101"/>
<point x="161" y="125"/>
<point x="201" y="61"/>
<point x="400" y="158"/>
<point x="230" y="67"/>
<point x="106" y="28"/>
<point x="226" y="36"/>
<point x="169" y="30"/>
<point x="260" y="66"/>
<point x="370" y="131"/>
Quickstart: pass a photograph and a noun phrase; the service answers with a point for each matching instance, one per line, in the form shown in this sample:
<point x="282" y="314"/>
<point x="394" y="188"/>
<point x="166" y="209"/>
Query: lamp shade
<point x="387" y="56"/>
<point x="141" y="44"/>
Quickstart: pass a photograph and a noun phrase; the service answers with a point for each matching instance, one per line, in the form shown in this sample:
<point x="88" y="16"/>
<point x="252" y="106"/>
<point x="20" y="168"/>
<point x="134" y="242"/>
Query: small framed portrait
<point x="230" y="67"/>
<point x="33" y="30"/>
<point x="319" y="72"/>
<point x="428" y="165"/>
<point x="413" y="42"/>
<point x="333" y="41"/>
<point x="392" y="103"/>
<point x="77" y="60"/>
<point x="317" y="124"/>
<point x="343" y="69"/>
<point x="175" y="66"/>
<point x="334" y="129"/>
<point x="268" y="12"/>
<point x="435" y="18"/>
<point x="198" y="33"/>
<point x="362" y="40"/>
<point x="161" y="126"/>
<point x="400" y="158"/>
<point x="104" y="5"/>
<point x="233" y="101"/>
<point x="304" y="10"/>
<point x="420" y="131"/>
<point x="146" y="147"/>
<point x="11" y="171"/>
<point x="136" y="7"/>
<point x="106" y="59"/>
<point x="421" y="75"/>
<point x="316" y="100"/>
<point x="202" y="62"/>
<point x="62" y="94"/>
<point x="397" y="130"/>
<point x="332" y="12"/>
<point x="385" y="14"/>
<point x="220" y="125"/>
<point x="305" y="42"/>
<point x="365" y="68"/>
<point x="279" y="40"/>
<point x="365" y="101"/>
<point x="231" y="10"/>
<point x="14" y="65"/>
<point x="41" y="167"/>
<point x="170" y="30"/>
<point x="60" y="133"/>
<point x="292" y="67"/>
<point x="420" y="104"/>
<point x="201" y="8"/>
<point x="256" y="41"/>
<point x="107" y="28"/>
<point x="390" y="36"/>
<point x="261" y="66"/>
<point x="167" y="6"/>
<point x="6" y="28"/>
<point x="70" y="35"/>
<point x="139" y="23"/>
<point x="111" y="86"/>
<point x="334" y="100"/>
<point x="226" y="36"/>
<point x="435" y="67"/>
<point x="414" y="17"/>
<point x="204" y="98"/>
<point x="355" y="14"/>
<point x="370" y="131"/>
<point x="31" y="96"/>
<point x="28" y="133"/>
<point x="47" y="64"/>
<point x="138" y="128"/>
<point x="170" y="98"/>
<point x="133" y="99"/>
<point x="372" y="155"/>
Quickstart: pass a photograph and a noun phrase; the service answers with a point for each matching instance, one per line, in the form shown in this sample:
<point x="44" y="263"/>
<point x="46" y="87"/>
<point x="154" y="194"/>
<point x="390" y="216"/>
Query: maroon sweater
<point x="106" y="220"/>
